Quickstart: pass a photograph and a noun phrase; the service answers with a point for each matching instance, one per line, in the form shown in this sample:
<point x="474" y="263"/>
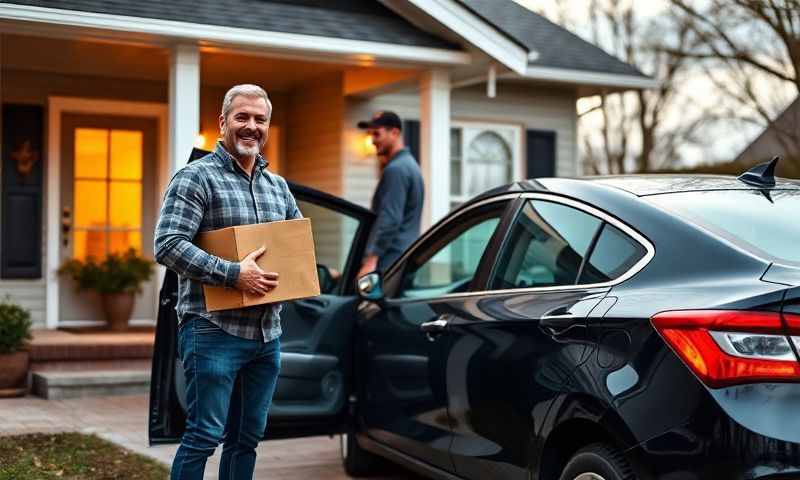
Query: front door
<point x="406" y="370"/>
<point x="316" y="345"/>
<point x="107" y="202"/>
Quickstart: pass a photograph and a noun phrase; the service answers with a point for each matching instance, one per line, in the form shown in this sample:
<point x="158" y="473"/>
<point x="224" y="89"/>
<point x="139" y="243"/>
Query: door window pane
<point x="547" y="245"/>
<point x="89" y="243"/>
<point x="614" y="254"/>
<point x="334" y="236"/>
<point x="450" y="264"/>
<point x="126" y="155"/>
<point x="89" y="197"/>
<point x="91" y="152"/>
<point x="488" y="162"/>
<point x="121" y="242"/>
<point x="126" y="207"/>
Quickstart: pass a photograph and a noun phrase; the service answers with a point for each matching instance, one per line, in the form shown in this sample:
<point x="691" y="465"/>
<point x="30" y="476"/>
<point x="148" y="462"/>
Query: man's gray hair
<point x="246" y="90"/>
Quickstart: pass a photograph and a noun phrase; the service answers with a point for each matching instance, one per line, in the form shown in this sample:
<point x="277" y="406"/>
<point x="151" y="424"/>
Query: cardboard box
<point x="290" y="253"/>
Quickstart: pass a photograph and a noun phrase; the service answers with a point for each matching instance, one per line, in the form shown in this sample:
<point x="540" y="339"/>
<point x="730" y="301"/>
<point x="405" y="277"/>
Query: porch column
<point x="184" y="104"/>
<point x="434" y="145"/>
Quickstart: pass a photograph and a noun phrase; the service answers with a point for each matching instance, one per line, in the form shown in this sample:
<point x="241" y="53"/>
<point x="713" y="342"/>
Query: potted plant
<point x="15" y="331"/>
<point x="117" y="279"/>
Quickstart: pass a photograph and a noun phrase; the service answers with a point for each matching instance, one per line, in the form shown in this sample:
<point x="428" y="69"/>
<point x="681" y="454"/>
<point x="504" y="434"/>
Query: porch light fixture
<point x="367" y="149"/>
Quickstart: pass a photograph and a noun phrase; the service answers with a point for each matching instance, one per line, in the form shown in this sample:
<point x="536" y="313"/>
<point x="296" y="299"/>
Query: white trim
<point x="582" y="77"/>
<point x="474" y="30"/>
<point x="169" y="30"/>
<point x="57" y="106"/>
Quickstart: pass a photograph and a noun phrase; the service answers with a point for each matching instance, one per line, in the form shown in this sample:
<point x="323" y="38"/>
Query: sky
<point x="725" y="140"/>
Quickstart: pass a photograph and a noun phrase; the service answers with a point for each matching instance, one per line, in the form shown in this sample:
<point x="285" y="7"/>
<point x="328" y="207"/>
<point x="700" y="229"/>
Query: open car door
<point x="317" y="340"/>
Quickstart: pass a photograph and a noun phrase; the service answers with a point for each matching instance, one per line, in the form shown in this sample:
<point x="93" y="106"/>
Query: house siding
<point x="313" y="137"/>
<point x="540" y="108"/>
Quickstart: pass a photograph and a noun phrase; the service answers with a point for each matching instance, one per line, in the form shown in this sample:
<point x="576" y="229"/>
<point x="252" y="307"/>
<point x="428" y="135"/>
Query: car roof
<point x="639" y="185"/>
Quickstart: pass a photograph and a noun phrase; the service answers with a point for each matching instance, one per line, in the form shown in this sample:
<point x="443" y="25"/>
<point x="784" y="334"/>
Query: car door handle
<point x="434" y="328"/>
<point x="560" y="321"/>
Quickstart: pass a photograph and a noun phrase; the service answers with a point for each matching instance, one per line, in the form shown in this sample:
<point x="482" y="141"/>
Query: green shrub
<point x="116" y="274"/>
<point x="15" y="326"/>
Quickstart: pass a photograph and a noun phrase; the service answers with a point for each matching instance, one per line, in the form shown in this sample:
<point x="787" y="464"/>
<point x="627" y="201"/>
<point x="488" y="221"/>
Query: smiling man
<point x="231" y="358"/>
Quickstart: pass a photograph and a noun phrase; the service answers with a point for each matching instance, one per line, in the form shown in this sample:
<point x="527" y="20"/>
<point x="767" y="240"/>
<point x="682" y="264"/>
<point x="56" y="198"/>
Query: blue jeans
<point x="229" y="386"/>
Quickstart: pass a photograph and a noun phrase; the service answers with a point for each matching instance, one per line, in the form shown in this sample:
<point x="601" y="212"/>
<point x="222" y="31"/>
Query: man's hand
<point x="252" y="280"/>
<point x="370" y="265"/>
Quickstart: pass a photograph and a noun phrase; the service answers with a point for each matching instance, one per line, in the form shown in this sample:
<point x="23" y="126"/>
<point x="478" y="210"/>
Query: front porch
<point x="92" y="91"/>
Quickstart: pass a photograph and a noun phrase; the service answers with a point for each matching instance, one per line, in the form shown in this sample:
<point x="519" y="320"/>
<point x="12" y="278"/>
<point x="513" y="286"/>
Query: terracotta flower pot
<point x="13" y="373"/>
<point x="118" y="308"/>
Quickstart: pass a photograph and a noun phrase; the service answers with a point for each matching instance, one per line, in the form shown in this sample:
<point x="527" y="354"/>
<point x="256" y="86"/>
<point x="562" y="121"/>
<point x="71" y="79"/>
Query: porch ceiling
<point x="218" y="68"/>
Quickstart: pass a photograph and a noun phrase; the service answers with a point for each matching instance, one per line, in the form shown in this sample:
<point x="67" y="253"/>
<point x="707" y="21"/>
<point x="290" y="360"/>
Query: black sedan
<point x="610" y="328"/>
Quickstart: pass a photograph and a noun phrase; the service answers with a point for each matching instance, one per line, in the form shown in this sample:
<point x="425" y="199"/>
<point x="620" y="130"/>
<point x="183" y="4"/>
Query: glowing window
<point x="107" y="192"/>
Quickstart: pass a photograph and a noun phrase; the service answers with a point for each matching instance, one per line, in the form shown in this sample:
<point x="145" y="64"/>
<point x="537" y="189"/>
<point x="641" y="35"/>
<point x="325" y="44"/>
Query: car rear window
<point x="765" y="223"/>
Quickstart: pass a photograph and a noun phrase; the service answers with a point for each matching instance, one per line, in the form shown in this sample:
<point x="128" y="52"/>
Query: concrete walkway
<point x="123" y="420"/>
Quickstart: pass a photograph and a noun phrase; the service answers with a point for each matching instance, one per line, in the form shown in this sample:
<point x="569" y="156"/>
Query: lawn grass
<point x="72" y="456"/>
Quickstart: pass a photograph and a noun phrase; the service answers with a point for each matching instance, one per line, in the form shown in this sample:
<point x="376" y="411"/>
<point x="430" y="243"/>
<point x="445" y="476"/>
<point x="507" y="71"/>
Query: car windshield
<point x="764" y="222"/>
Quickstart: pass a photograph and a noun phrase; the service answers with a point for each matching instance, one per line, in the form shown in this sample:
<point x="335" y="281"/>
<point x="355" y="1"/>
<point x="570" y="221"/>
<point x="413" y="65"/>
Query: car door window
<point x="334" y="235"/>
<point x="546" y="246"/>
<point x="448" y="264"/>
<point x="614" y="254"/>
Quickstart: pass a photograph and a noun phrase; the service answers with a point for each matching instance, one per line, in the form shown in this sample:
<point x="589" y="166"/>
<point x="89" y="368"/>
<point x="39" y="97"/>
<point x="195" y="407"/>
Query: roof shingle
<point x="349" y="19"/>
<point x="557" y="46"/>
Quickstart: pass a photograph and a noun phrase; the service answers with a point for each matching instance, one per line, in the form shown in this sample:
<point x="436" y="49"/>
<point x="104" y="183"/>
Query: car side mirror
<point x="326" y="281"/>
<point x="370" y="287"/>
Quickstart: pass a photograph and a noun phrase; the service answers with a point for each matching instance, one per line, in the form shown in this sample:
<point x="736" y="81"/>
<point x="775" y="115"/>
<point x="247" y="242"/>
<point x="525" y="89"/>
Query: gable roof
<point x="364" y="20"/>
<point x="556" y="46"/>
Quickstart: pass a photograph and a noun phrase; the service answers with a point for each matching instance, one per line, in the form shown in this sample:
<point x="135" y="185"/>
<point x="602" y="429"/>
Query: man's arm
<point x="391" y="195"/>
<point x="178" y="223"/>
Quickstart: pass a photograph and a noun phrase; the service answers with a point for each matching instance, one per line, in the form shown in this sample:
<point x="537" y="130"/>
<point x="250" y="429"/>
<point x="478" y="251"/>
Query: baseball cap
<point x="382" y="119"/>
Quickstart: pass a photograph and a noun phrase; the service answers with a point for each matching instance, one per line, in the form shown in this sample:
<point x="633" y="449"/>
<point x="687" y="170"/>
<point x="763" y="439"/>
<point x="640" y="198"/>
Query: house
<point x="782" y="138"/>
<point x="104" y="100"/>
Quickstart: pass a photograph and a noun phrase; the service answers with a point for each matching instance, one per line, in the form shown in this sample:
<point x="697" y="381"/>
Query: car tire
<point x="356" y="461"/>
<point x="598" y="462"/>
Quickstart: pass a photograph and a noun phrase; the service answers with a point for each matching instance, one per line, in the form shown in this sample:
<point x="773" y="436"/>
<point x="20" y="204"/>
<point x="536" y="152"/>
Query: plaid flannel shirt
<point x="211" y="193"/>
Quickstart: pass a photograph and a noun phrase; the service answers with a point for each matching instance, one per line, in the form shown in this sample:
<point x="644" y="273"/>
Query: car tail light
<point x="725" y="348"/>
<point x="793" y="322"/>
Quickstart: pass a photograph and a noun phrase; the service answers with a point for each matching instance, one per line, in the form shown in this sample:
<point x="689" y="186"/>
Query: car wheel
<point x="598" y="462"/>
<point x="358" y="462"/>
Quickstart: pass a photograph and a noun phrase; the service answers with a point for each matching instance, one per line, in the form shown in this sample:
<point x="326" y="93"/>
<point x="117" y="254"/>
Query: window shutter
<point x="22" y="172"/>
<point x="540" y="153"/>
<point x="411" y="137"/>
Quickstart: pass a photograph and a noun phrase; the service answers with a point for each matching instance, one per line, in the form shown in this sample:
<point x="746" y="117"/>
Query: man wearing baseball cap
<point x="397" y="202"/>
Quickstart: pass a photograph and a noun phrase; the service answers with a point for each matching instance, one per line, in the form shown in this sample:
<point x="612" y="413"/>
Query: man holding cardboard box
<point x="231" y="358"/>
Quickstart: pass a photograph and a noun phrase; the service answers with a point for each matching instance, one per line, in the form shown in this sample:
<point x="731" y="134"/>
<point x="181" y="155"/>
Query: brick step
<point x="56" y="385"/>
<point x="83" y="365"/>
<point x="57" y="345"/>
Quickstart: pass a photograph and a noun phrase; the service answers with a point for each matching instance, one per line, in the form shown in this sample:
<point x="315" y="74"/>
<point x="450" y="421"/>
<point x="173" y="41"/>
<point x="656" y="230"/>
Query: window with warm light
<point x="107" y="192"/>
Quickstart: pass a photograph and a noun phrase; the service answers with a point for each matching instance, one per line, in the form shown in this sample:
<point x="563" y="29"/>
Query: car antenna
<point x="762" y="175"/>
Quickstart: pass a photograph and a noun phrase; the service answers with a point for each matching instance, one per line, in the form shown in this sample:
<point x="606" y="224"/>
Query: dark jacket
<point x="397" y="204"/>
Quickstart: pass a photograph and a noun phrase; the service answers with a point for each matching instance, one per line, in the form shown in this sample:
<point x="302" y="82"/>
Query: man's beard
<point x="244" y="151"/>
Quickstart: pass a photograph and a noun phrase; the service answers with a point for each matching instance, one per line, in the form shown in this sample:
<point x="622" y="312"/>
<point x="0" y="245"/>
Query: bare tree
<point x="633" y="131"/>
<point x="750" y="50"/>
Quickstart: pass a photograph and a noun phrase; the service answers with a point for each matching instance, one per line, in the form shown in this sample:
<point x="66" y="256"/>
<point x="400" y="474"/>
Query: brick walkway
<point x="123" y="420"/>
